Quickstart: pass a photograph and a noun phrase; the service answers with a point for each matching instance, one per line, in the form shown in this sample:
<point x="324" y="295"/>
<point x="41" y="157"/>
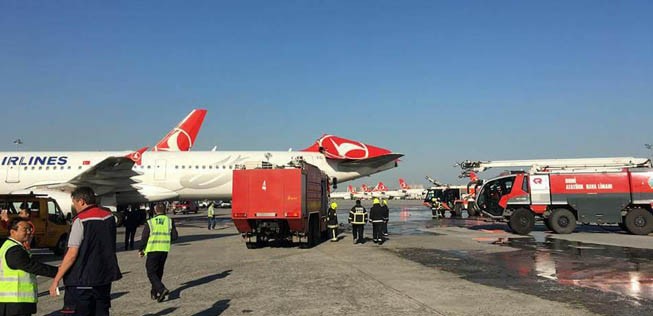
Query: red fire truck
<point x="562" y="192"/>
<point x="280" y="203"/>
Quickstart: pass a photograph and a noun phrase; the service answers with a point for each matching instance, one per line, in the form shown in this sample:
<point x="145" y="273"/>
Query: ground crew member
<point x="358" y="218"/>
<point x="386" y="217"/>
<point x="24" y="212"/>
<point x="132" y="220"/>
<point x="18" y="271"/>
<point x="90" y="264"/>
<point x="376" y="218"/>
<point x="211" y="215"/>
<point x="159" y="232"/>
<point x="332" y="221"/>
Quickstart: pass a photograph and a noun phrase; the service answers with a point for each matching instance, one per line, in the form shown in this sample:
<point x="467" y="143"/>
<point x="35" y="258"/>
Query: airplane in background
<point x="344" y="195"/>
<point x="411" y="193"/>
<point x="382" y="191"/>
<point x="142" y="176"/>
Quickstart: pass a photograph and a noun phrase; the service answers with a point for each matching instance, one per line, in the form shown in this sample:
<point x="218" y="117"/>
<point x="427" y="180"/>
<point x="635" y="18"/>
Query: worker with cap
<point x="386" y="217"/>
<point x="332" y="221"/>
<point x="376" y="218"/>
<point x="358" y="218"/>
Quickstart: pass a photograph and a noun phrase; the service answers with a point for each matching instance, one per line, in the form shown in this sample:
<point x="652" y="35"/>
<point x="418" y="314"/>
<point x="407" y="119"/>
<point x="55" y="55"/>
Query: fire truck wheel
<point x="522" y="221"/>
<point x="639" y="221"/>
<point x="562" y="221"/>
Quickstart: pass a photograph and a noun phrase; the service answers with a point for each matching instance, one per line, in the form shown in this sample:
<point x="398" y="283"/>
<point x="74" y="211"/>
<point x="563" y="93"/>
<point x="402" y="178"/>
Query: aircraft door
<point x="13" y="174"/>
<point x="160" y="170"/>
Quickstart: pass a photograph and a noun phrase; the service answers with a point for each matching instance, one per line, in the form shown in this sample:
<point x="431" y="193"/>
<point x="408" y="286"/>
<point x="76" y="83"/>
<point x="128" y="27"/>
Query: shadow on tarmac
<point x="175" y="294"/>
<point x="217" y="309"/>
<point x="162" y="312"/>
<point x="185" y="239"/>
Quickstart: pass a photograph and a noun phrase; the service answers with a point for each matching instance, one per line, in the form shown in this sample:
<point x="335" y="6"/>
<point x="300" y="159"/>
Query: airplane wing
<point x="113" y="174"/>
<point x="371" y="162"/>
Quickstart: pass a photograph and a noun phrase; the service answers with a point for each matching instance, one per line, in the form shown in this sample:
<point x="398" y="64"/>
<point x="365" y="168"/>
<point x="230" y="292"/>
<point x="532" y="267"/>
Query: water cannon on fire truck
<point x="562" y="192"/>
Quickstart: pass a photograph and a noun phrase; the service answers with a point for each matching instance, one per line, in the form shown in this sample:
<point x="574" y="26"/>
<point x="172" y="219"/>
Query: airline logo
<point x="650" y="182"/>
<point x="335" y="147"/>
<point x="34" y="160"/>
<point x="264" y="187"/>
<point x="403" y="185"/>
<point x="182" y="137"/>
<point x="381" y="187"/>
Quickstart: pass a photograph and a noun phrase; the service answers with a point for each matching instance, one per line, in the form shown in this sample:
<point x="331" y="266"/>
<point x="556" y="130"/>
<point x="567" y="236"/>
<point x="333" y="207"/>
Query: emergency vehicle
<point x="50" y="226"/>
<point x="281" y="203"/>
<point x="450" y="198"/>
<point x="562" y="192"/>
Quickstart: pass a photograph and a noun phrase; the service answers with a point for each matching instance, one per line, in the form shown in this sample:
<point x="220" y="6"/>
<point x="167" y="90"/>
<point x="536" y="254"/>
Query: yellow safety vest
<point x="160" y="229"/>
<point x="16" y="286"/>
<point x="211" y="210"/>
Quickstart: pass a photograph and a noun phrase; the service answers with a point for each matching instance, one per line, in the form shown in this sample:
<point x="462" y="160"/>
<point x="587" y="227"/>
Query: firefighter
<point x="376" y="218"/>
<point x="358" y="218"/>
<point x="386" y="217"/>
<point x="332" y="221"/>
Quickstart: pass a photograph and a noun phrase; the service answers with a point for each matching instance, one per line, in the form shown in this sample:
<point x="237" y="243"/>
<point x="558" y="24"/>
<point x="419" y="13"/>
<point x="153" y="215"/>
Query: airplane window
<point x="224" y="167"/>
<point x="25" y="168"/>
<point x="230" y="167"/>
<point x="197" y="167"/>
<point x="33" y="167"/>
<point x="183" y="167"/>
<point x="149" y="167"/>
<point x="80" y="167"/>
<point x="203" y="167"/>
<point x="176" y="167"/>
<point x="40" y="168"/>
<point x="210" y="167"/>
<point x="68" y="167"/>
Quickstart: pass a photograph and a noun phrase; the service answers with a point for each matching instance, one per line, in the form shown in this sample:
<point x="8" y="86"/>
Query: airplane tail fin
<point x="182" y="137"/>
<point x="351" y="189"/>
<point x="380" y="187"/>
<point x="365" y="188"/>
<point x="403" y="185"/>
<point x="335" y="147"/>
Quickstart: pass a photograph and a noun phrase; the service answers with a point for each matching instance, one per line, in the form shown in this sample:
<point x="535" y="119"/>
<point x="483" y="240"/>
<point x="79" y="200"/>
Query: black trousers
<point x="385" y="227"/>
<point x="154" y="265"/>
<point x="130" y="233"/>
<point x="94" y="301"/>
<point x="377" y="230"/>
<point x="358" y="231"/>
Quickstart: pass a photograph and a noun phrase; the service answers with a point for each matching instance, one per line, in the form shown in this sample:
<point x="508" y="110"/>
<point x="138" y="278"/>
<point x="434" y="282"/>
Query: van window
<point x="54" y="214"/>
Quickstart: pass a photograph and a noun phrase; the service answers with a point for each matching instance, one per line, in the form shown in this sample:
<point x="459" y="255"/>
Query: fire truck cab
<point x="561" y="196"/>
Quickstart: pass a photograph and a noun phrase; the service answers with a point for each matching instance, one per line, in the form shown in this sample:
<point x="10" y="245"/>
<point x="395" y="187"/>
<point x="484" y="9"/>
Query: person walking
<point x="211" y="215"/>
<point x="18" y="271"/>
<point x="332" y="221"/>
<point x="159" y="232"/>
<point x="386" y="217"/>
<point x="90" y="264"/>
<point x="132" y="221"/>
<point x="376" y="218"/>
<point x="358" y="218"/>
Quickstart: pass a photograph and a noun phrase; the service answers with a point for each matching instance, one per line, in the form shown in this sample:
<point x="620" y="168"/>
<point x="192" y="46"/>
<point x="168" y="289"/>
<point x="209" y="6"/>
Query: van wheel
<point x="639" y="221"/>
<point x="562" y="221"/>
<point x="61" y="245"/>
<point x="522" y="221"/>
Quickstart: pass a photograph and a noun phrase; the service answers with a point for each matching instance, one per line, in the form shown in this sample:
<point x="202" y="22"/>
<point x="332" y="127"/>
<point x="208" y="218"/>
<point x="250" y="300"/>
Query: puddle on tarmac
<point x="615" y="280"/>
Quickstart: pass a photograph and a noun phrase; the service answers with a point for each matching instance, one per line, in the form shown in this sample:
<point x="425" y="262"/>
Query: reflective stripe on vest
<point x="160" y="229"/>
<point x="359" y="216"/>
<point x="16" y="286"/>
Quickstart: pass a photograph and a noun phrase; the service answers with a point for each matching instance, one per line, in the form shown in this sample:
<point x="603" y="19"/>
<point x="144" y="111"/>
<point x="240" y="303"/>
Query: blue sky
<point x="440" y="81"/>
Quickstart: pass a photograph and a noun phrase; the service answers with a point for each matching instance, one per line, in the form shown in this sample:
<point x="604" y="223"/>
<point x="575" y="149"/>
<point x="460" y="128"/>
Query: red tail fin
<point x="365" y="188"/>
<point x="403" y="185"/>
<point x="380" y="187"/>
<point x="335" y="147"/>
<point x="182" y="137"/>
<point x="351" y="189"/>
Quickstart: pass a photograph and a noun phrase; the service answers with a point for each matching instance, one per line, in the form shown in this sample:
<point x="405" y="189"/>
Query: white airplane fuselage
<point x="159" y="175"/>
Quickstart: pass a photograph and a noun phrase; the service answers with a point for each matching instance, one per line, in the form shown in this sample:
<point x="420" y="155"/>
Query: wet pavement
<point x="607" y="280"/>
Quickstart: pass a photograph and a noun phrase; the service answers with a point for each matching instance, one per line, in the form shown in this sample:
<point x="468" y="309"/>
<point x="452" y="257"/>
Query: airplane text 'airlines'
<point x="34" y="160"/>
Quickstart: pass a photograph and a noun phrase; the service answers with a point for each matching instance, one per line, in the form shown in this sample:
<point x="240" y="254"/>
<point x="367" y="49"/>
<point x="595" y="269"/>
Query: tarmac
<point x="426" y="267"/>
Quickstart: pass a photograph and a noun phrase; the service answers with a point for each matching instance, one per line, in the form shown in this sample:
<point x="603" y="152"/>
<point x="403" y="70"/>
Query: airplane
<point x="344" y="195"/>
<point x="411" y="193"/>
<point x="142" y="176"/>
<point x="382" y="191"/>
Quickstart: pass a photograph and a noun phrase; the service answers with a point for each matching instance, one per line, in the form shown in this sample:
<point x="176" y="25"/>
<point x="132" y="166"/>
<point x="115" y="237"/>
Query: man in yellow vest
<point x="18" y="271"/>
<point x="157" y="235"/>
<point x="211" y="215"/>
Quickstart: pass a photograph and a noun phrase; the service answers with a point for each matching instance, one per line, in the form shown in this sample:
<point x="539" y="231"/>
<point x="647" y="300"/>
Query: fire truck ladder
<point x="539" y="165"/>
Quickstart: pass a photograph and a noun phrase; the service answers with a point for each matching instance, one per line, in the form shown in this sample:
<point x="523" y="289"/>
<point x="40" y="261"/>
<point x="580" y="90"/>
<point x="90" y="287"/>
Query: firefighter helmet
<point x="334" y="205"/>
<point x="376" y="201"/>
